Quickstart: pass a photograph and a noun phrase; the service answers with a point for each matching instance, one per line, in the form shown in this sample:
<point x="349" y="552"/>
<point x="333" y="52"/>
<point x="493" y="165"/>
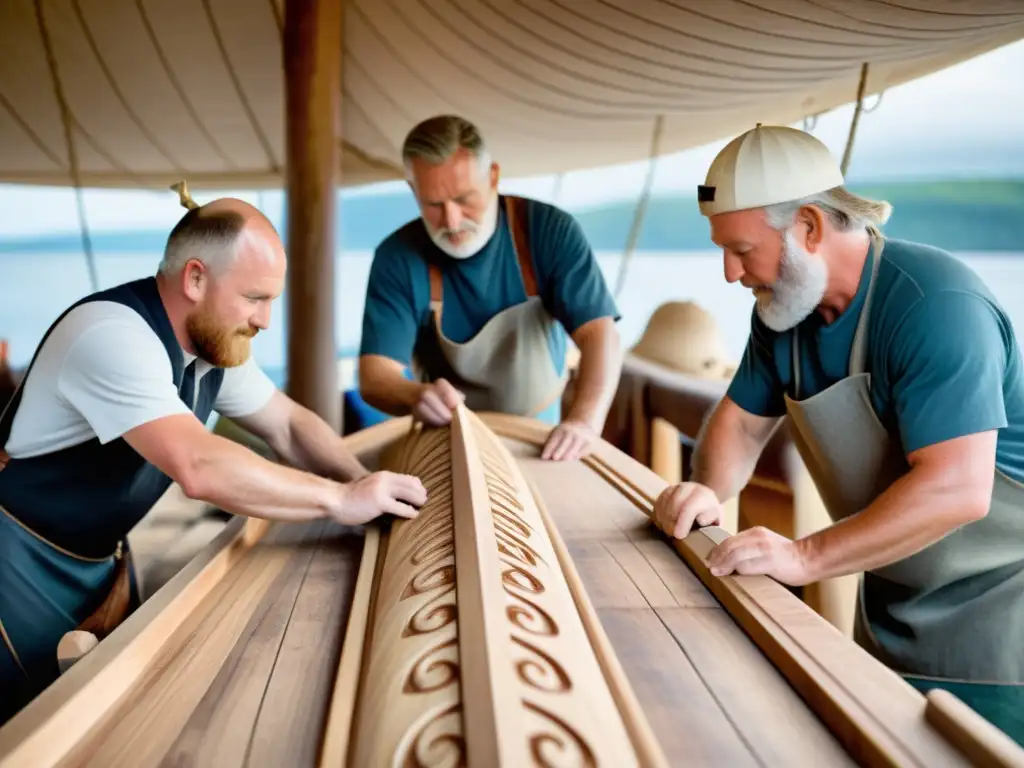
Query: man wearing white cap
<point x="904" y="387"/>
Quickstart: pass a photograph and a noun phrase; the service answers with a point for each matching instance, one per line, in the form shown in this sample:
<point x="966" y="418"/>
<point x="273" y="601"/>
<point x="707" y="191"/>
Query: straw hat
<point x="684" y="337"/>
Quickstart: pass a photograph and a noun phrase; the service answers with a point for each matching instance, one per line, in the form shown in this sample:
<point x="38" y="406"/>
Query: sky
<point x="967" y="120"/>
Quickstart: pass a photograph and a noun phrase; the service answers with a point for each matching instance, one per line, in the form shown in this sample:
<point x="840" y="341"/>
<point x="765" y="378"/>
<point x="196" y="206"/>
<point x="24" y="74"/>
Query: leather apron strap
<point x="506" y="366"/>
<point x="521" y="245"/>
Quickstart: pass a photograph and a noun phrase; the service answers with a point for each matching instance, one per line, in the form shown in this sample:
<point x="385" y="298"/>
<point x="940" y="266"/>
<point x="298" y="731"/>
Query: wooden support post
<point x="312" y="63"/>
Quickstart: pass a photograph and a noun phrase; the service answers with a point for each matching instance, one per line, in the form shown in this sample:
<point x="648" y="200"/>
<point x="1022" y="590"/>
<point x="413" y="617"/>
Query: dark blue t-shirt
<point x="569" y="281"/>
<point x="942" y="353"/>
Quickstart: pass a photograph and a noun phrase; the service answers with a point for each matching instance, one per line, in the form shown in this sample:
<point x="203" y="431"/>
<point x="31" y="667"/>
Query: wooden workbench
<point x="531" y="615"/>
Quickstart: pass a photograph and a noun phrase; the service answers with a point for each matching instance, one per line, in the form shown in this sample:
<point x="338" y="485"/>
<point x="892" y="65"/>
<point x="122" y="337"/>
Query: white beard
<point x="797" y="291"/>
<point x="480" y="234"/>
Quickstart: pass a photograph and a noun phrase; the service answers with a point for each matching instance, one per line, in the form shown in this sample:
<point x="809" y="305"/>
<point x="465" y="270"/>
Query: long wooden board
<point x="878" y="718"/>
<point x="529" y="615"/>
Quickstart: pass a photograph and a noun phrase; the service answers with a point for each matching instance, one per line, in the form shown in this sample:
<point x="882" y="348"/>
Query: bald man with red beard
<point x="112" y="410"/>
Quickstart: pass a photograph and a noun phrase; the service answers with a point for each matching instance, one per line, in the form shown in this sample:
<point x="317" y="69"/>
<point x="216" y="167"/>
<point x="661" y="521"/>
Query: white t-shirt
<point x="102" y="372"/>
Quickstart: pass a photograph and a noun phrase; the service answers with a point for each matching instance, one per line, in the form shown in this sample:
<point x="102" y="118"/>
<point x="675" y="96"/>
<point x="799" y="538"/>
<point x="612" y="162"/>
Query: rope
<point x="641" y="208"/>
<point x="848" y="152"/>
<point x="183" y="196"/>
<point x="556" y="191"/>
<point x="76" y="178"/>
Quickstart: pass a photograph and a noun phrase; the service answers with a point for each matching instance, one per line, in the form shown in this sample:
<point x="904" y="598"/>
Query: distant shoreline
<point x="965" y="215"/>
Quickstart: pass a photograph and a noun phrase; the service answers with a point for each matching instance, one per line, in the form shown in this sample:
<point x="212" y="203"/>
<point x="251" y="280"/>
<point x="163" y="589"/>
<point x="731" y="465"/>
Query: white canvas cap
<point x="767" y="165"/>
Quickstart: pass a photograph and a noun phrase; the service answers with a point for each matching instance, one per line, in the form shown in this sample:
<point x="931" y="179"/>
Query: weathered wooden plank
<point x="690" y="725"/>
<point x="608" y="585"/>
<point x="289" y="729"/>
<point x="767" y="712"/>
<point x="219" y="731"/>
<point x="139" y="731"/>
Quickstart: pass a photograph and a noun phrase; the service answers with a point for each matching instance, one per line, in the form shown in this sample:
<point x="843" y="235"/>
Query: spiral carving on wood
<point x="560" y="687"/>
<point x="555" y="743"/>
<point x="478" y="655"/>
<point x="436" y="668"/>
<point x="412" y="712"/>
<point x="437" y="742"/>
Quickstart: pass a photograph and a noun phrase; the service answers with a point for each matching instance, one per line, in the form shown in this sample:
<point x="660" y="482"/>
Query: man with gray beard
<point x="903" y="383"/>
<point x="479" y="296"/>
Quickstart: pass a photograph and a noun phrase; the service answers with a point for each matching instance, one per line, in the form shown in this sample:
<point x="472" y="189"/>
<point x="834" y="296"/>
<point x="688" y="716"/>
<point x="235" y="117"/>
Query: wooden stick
<point x="339" y="719"/>
<point x="493" y="737"/>
<point x="979" y="740"/>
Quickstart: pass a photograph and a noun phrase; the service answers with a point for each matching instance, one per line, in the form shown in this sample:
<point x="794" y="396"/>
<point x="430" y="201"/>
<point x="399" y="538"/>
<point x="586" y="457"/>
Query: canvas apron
<point x="951" y="615"/>
<point x="45" y="592"/>
<point x="507" y="366"/>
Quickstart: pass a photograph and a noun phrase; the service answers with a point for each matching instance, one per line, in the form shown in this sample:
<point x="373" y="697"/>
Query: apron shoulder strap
<point x="435" y="284"/>
<point x="515" y="208"/>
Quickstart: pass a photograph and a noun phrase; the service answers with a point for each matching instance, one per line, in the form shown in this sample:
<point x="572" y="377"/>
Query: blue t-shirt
<point x="569" y="282"/>
<point x="942" y="353"/>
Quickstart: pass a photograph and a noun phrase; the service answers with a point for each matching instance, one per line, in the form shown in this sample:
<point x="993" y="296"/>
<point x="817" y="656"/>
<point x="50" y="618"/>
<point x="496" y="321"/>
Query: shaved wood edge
<point x="343" y="699"/>
<point x="50" y="726"/>
<point x="483" y="637"/>
<point x="851" y="720"/>
<point x="985" y="745"/>
<point x="646" y="744"/>
<point x="53" y="723"/>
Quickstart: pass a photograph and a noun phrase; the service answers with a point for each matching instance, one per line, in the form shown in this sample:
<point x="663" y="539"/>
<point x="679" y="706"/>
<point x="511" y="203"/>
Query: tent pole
<point x="858" y="107"/>
<point x="312" y="61"/>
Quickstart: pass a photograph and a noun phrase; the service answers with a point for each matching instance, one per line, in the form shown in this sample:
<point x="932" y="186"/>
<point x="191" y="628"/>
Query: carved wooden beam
<point x="479" y="654"/>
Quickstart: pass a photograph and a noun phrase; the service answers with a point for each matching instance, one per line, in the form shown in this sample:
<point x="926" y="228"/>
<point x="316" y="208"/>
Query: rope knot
<point x="183" y="196"/>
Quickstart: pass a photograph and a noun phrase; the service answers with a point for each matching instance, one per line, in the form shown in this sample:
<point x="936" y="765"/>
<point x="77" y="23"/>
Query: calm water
<point x="35" y="288"/>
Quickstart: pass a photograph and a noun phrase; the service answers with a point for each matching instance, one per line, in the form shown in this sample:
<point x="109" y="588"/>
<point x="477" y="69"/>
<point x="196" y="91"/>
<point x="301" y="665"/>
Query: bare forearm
<point x="913" y="513"/>
<point x="313" y="446"/>
<point x="726" y="453"/>
<point x="598" y="378"/>
<point x="383" y="386"/>
<point x="238" y="480"/>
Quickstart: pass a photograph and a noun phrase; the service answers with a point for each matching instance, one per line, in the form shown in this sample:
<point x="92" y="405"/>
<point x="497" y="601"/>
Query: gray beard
<point x="798" y="290"/>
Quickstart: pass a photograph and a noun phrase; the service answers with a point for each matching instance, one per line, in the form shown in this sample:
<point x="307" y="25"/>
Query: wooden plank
<point x="877" y="716"/>
<point x="565" y="707"/>
<point x="770" y="716"/>
<point x="289" y="730"/>
<point x="645" y="743"/>
<point x="690" y="725"/>
<point x="632" y="562"/>
<point x="346" y="683"/>
<point x="685" y="587"/>
<point x="219" y="730"/>
<point x="139" y="731"/>
<point x="49" y="727"/>
<point x="608" y="585"/>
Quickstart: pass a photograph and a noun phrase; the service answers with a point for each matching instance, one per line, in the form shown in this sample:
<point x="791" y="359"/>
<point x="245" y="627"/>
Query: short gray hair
<point x="846" y="211"/>
<point x="438" y="138"/>
<point x="212" y="237"/>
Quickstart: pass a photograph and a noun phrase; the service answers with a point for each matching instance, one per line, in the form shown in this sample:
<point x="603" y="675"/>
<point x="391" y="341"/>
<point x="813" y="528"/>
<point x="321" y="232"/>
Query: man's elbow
<point x="195" y="472"/>
<point x="976" y="505"/>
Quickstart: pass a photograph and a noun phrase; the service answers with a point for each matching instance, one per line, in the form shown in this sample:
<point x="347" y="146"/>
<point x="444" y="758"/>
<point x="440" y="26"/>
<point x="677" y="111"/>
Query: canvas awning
<point x="158" y="90"/>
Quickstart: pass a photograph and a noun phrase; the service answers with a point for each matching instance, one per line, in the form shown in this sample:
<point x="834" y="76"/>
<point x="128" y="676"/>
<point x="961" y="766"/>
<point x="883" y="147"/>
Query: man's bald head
<point x="217" y="233"/>
<point x="223" y="267"/>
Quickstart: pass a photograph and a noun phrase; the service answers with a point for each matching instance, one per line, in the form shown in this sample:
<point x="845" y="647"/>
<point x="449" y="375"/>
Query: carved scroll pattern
<point x="411" y="708"/>
<point x="568" y="713"/>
